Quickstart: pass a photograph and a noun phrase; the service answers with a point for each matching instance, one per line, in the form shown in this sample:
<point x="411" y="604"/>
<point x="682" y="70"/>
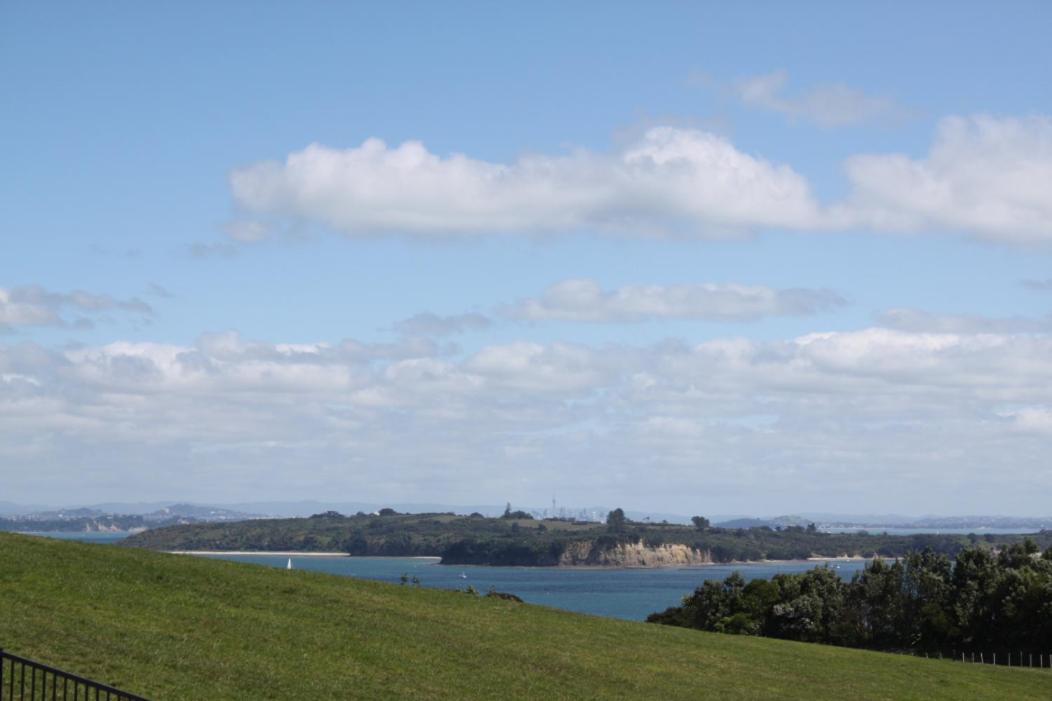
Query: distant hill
<point x="878" y="523"/>
<point x="96" y="520"/>
<point x="177" y="627"/>
<point x="533" y="542"/>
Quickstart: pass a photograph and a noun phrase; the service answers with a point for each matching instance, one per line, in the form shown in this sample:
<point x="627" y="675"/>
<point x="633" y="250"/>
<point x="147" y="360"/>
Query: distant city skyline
<point x="687" y="258"/>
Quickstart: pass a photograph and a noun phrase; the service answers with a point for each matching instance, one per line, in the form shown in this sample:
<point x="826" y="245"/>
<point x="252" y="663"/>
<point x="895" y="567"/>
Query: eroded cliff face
<point x="586" y="553"/>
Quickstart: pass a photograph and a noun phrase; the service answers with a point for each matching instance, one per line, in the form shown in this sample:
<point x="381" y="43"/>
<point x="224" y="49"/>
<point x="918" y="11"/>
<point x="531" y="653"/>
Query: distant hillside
<point x="95" y="520"/>
<point x="979" y="524"/>
<point x="175" y="627"/>
<point x="531" y="542"/>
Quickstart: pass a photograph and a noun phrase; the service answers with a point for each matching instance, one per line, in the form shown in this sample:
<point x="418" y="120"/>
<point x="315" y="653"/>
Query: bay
<point x="83" y="536"/>
<point x="630" y="594"/>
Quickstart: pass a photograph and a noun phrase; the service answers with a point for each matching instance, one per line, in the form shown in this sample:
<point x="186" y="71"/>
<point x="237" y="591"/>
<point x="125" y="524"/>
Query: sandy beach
<point x="282" y="553"/>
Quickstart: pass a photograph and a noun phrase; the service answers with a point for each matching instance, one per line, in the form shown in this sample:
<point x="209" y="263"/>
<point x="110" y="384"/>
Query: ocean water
<point x="84" y="536"/>
<point x="617" y="593"/>
<point x="937" y="531"/>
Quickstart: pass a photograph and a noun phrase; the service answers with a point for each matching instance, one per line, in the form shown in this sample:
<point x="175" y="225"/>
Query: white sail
<point x="289" y="565"/>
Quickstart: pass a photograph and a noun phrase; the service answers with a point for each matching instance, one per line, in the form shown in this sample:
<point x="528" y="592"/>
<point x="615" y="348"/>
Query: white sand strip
<point x="281" y="553"/>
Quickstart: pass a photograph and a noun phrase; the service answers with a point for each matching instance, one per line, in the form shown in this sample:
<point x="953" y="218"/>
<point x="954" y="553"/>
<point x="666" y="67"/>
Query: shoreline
<point x="276" y="553"/>
<point x="293" y="553"/>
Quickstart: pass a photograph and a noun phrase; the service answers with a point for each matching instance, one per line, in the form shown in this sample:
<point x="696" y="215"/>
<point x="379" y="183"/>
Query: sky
<point x="689" y="257"/>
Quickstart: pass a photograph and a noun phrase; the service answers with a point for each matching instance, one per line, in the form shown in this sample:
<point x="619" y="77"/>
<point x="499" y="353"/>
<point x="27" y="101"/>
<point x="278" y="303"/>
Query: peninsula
<point x="516" y="539"/>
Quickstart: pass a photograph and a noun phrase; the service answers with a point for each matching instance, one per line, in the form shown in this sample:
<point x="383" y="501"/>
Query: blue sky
<point x="852" y="200"/>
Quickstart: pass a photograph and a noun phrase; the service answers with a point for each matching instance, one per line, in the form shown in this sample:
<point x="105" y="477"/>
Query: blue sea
<point x="618" y="593"/>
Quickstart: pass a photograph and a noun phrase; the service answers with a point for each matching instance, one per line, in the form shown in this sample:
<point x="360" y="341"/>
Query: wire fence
<point x="1003" y="658"/>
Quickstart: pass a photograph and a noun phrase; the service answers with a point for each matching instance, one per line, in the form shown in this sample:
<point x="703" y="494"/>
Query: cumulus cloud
<point x="35" y="306"/>
<point x="430" y="324"/>
<point x="669" y="180"/>
<point x="826" y="105"/>
<point x="867" y="415"/>
<point x="585" y="300"/>
<point x="984" y="176"/>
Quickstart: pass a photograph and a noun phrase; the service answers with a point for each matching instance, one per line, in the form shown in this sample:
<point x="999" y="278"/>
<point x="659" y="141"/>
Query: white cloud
<point x="35" y="306"/>
<point x="585" y="300"/>
<point x="984" y="176"/>
<point x="826" y="105"/>
<point x="670" y="180"/>
<point x="869" y="416"/>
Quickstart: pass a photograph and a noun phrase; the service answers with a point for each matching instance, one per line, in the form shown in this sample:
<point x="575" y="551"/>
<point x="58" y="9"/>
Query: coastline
<point x="301" y="553"/>
<point x="282" y="553"/>
<point x="670" y="566"/>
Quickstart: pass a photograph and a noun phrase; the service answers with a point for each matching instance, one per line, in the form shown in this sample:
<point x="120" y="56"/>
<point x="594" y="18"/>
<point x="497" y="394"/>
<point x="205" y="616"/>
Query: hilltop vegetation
<point x="176" y="627"/>
<point x="529" y="542"/>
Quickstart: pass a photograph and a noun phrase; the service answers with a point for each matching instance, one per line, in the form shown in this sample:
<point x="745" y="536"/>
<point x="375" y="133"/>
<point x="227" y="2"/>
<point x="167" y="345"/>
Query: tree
<point x="700" y="522"/>
<point x="984" y="600"/>
<point x="519" y="514"/>
<point x="615" y="521"/>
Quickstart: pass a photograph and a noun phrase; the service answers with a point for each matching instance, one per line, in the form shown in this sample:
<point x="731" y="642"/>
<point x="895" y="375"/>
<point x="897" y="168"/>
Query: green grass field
<point x="177" y="627"/>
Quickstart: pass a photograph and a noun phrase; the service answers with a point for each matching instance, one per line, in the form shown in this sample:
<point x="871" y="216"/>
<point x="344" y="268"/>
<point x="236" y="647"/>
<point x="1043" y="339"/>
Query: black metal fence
<point x="23" y="679"/>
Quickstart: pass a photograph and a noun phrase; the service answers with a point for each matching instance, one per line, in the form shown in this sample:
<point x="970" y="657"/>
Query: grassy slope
<point x="176" y="627"/>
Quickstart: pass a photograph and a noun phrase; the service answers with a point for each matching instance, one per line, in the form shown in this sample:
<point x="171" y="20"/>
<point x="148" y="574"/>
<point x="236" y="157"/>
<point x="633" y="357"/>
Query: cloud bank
<point x="671" y="180"/>
<point x="984" y="176"/>
<point x="35" y="306"/>
<point x="585" y="300"/>
<point x="877" y="412"/>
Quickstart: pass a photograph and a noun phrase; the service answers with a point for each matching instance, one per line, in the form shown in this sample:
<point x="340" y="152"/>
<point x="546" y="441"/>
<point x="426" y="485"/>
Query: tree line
<point x="996" y="601"/>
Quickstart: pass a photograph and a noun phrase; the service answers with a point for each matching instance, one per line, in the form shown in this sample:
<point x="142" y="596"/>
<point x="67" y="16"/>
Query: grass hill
<point x="177" y="627"/>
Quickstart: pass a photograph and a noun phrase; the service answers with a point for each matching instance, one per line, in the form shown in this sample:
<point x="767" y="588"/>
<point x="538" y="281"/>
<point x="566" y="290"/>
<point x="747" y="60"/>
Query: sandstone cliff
<point x="586" y="553"/>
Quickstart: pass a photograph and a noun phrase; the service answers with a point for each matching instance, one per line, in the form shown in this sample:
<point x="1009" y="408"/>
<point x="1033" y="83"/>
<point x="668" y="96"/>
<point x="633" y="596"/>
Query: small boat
<point x="289" y="565"/>
<point x="463" y="575"/>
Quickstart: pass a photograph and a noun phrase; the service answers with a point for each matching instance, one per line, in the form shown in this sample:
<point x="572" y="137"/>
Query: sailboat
<point x="289" y="565"/>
